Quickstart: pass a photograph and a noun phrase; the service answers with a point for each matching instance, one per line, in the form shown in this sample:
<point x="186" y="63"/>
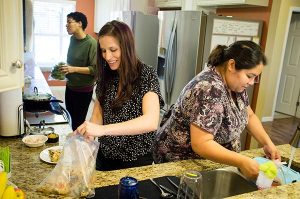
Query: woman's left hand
<point x="272" y="152"/>
<point x="67" y="69"/>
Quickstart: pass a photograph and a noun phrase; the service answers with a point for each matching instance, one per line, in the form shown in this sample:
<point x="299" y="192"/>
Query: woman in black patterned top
<point x="213" y="110"/>
<point x="126" y="112"/>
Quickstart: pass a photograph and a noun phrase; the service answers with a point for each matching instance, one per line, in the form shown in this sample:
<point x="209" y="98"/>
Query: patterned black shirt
<point x="129" y="147"/>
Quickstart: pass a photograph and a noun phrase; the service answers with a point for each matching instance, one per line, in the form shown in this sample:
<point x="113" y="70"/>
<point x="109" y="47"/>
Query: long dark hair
<point x="130" y="66"/>
<point x="246" y="54"/>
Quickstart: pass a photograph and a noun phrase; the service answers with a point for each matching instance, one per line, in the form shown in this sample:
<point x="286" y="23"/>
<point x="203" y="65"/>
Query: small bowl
<point x="35" y="140"/>
<point x="52" y="137"/>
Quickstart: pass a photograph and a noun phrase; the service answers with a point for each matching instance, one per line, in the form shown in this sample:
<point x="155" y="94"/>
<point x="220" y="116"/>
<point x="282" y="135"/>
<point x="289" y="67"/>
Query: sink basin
<point x="295" y="168"/>
<point x="221" y="183"/>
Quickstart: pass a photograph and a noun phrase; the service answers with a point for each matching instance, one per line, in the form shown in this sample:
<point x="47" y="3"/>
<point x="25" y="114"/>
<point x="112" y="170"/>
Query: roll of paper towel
<point x="9" y="109"/>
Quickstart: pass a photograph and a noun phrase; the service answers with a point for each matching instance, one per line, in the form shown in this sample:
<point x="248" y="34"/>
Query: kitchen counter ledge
<point x="28" y="171"/>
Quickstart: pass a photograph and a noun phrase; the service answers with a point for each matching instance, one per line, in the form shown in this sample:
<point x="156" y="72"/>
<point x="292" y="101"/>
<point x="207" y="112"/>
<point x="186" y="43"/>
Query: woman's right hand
<point x="249" y="168"/>
<point x="90" y="129"/>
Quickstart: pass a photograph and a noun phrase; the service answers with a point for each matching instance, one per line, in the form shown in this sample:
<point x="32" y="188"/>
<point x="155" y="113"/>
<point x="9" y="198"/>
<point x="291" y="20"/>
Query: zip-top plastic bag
<point x="74" y="173"/>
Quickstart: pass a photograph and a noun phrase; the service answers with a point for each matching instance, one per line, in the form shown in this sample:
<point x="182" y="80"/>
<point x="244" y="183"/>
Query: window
<point x="50" y="39"/>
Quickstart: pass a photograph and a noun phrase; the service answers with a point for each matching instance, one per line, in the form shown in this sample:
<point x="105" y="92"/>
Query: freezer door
<point x="145" y="30"/>
<point x="178" y="44"/>
<point x="146" y="37"/>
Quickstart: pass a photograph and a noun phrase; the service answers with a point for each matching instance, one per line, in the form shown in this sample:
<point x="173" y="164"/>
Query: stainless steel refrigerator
<point x="185" y="40"/>
<point x="145" y="30"/>
<point x="180" y="48"/>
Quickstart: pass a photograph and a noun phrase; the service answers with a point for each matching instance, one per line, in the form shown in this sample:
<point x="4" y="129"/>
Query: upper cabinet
<point x="11" y="42"/>
<point x="232" y="3"/>
<point x="104" y="9"/>
<point x="168" y="3"/>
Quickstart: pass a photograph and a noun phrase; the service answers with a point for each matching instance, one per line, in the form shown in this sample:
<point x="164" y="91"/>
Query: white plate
<point x="44" y="155"/>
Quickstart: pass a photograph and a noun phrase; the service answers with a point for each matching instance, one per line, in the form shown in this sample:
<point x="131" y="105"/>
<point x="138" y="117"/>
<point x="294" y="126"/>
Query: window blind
<point x="51" y="39"/>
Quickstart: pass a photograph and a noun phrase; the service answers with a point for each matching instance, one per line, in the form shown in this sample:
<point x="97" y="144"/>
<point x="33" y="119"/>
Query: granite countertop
<point x="28" y="170"/>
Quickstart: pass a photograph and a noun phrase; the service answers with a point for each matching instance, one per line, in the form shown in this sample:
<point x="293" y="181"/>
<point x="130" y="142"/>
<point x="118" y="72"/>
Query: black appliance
<point x="54" y="114"/>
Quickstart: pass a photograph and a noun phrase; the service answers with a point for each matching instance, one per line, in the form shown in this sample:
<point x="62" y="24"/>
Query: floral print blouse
<point x="206" y="102"/>
<point x="129" y="147"/>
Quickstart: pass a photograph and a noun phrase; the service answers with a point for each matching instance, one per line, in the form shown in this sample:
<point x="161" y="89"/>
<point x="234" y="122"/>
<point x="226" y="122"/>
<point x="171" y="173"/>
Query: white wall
<point x="275" y="48"/>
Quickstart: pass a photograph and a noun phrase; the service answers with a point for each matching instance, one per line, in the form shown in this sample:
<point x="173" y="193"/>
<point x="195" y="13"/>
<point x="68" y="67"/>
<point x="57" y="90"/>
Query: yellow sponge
<point x="269" y="168"/>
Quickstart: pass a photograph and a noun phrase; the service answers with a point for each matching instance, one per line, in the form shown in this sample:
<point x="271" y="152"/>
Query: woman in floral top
<point x="126" y="112"/>
<point x="213" y="110"/>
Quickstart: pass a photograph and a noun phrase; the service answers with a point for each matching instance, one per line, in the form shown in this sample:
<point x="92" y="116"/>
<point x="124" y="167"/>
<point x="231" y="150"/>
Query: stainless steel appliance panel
<point x="35" y="118"/>
<point x="145" y="30"/>
<point x="179" y="47"/>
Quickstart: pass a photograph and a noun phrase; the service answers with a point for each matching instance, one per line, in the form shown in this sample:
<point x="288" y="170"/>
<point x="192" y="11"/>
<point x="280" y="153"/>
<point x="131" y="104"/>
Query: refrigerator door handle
<point x="171" y="57"/>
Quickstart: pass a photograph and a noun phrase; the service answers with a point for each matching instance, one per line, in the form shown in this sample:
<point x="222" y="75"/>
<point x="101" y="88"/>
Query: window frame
<point x="47" y="65"/>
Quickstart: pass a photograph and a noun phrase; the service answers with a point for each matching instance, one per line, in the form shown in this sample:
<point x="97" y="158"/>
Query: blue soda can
<point x="128" y="188"/>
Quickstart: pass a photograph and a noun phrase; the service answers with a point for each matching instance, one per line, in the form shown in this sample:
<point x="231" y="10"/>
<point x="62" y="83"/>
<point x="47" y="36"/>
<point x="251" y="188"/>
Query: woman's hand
<point x="90" y="130"/>
<point x="271" y="152"/>
<point x="68" y="69"/>
<point x="249" y="168"/>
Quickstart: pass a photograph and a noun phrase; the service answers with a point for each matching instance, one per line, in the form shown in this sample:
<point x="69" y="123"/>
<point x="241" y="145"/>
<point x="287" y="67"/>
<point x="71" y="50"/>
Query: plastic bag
<point x="74" y="173"/>
<point x="56" y="74"/>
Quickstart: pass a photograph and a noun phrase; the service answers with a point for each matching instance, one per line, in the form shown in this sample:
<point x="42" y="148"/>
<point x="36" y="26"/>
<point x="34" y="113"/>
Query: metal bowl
<point x="35" y="130"/>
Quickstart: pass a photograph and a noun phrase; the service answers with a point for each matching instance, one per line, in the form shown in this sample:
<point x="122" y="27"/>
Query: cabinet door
<point x="105" y="8"/>
<point x="139" y="5"/>
<point x="11" y="42"/>
<point x="168" y="3"/>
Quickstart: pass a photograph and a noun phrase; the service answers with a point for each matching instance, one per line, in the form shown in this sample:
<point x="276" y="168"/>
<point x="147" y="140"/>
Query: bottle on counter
<point x="128" y="188"/>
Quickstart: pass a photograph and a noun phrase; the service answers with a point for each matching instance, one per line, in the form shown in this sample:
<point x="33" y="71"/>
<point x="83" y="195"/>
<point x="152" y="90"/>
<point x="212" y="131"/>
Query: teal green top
<point x="82" y="53"/>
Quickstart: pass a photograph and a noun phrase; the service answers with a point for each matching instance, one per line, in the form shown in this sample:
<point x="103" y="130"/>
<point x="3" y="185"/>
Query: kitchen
<point x="264" y="108"/>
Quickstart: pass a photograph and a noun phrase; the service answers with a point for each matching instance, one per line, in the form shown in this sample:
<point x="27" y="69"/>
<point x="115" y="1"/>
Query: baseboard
<point x="267" y="119"/>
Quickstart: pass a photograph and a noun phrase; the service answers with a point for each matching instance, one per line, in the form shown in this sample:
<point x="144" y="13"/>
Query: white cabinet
<point x="168" y="3"/>
<point x="11" y="42"/>
<point x="139" y="5"/>
<point x="104" y="8"/>
<point x="232" y="3"/>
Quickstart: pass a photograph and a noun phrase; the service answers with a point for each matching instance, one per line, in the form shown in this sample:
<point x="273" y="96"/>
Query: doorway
<point x="288" y="97"/>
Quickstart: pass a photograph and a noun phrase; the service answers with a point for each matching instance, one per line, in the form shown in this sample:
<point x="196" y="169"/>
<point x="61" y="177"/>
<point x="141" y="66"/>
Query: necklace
<point x="231" y="94"/>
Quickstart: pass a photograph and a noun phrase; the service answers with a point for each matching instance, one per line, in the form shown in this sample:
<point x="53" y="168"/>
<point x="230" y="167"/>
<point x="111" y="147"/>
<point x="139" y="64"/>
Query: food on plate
<point x="56" y="73"/>
<point x="55" y="154"/>
<point x="33" y="140"/>
<point x="52" y="137"/>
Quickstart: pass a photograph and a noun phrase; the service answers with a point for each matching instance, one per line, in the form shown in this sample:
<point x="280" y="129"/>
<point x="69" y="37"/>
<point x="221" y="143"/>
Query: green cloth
<point x="82" y="53"/>
<point x="269" y="168"/>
